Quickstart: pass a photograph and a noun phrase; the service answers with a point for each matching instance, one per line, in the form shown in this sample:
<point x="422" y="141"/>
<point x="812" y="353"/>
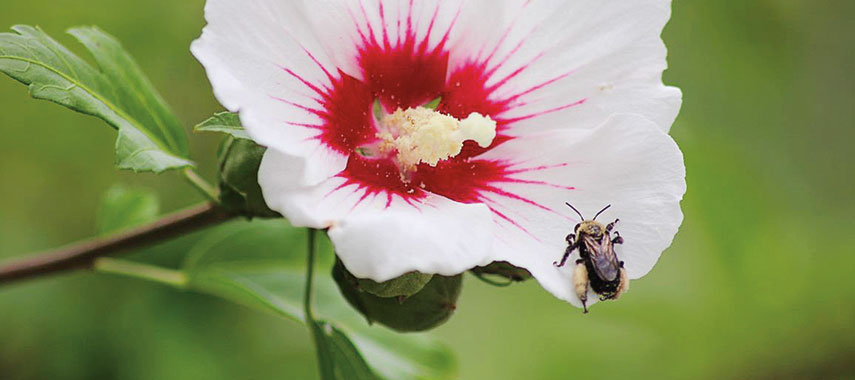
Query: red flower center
<point x="408" y="73"/>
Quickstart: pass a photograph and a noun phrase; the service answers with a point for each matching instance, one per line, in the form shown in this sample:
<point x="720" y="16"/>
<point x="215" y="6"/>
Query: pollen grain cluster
<point x="422" y="135"/>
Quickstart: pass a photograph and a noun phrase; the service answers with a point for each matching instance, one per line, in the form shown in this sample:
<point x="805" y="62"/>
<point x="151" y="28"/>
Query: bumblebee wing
<point x="603" y="257"/>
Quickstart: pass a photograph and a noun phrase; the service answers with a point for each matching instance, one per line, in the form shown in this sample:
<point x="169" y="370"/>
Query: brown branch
<point x="82" y="255"/>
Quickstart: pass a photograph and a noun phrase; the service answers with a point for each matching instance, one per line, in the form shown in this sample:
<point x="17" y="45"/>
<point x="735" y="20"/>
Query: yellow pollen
<point x="424" y="135"/>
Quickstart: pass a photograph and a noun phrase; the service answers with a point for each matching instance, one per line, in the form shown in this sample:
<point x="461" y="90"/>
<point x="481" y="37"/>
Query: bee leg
<point x="570" y="238"/>
<point x="611" y="225"/>
<point x="580" y="283"/>
<point x="618" y="239"/>
<point x="563" y="259"/>
<point x="567" y="253"/>
<point x="623" y="287"/>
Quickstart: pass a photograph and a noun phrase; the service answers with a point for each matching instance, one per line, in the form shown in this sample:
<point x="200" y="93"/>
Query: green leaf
<point x="260" y="264"/>
<point x="338" y="357"/>
<point x="224" y="122"/>
<point x="150" y="136"/>
<point x="124" y="207"/>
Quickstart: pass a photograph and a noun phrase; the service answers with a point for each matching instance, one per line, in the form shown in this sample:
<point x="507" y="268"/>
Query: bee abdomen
<point x="606" y="289"/>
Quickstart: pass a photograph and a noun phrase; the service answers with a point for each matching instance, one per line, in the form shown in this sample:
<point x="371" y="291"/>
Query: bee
<point x="598" y="265"/>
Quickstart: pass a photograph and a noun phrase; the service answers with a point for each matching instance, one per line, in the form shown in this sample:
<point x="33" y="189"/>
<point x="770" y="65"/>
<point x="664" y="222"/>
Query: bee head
<point x="591" y="228"/>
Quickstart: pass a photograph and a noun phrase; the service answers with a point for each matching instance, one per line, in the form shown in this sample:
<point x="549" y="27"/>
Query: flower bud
<point x="425" y="309"/>
<point x="239" y="189"/>
<point x="404" y="286"/>
<point x="503" y="269"/>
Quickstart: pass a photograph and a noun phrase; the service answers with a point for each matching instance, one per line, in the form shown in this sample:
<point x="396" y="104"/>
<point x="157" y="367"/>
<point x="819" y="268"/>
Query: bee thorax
<point x="591" y="228"/>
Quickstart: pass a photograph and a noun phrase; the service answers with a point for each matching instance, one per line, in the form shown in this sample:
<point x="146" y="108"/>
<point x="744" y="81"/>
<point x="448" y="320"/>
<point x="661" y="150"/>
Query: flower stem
<point x="83" y="255"/>
<point x="310" y="270"/>
<point x="200" y="184"/>
<point x="141" y="271"/>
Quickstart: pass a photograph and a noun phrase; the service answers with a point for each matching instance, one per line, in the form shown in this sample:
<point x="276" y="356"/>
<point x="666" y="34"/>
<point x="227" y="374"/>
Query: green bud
<point x="404" y="286"/>
<point x="430" y="307"/>
<point x="503" y="269"/>
<point x="239" y="189"/>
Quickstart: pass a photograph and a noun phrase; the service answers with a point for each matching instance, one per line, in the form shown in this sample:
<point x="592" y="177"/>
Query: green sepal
<point x="432" y="306"/>
<point x="404" y="286"/>
<point x="503" y="269"/>
<point x="238" y="178"/>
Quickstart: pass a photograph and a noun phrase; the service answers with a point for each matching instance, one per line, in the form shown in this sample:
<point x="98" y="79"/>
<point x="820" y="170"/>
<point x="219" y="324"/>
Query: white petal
<point x="627" y="162"/>
<point x="378" y="237"/>
<point x="262" y="59"/>
<point x="574" y="63"/>
<point x="440" y="236"/>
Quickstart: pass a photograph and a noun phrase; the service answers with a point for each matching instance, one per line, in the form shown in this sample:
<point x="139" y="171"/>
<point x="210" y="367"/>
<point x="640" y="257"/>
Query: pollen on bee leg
<point x="422" y="135"/>
<point x="580" y="283"/>
<point x="623" y="287"/>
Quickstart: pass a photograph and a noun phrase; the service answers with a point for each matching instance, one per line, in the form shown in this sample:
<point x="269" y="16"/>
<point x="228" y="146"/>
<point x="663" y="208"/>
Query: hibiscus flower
<point x="436" y="136"/>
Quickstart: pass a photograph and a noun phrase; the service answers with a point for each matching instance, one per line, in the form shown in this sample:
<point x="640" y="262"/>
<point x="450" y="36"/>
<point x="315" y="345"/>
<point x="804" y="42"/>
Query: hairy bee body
<point x="596" y="252"/>
<point x="598" y="266"/>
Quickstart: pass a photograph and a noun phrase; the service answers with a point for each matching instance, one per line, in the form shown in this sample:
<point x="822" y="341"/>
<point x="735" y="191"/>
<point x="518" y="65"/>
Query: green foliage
<point x="124" y="207"/>
<point x="150" y="136"/>
<point x="432" y="306"/>
<point x="338" y="357"/>
<point x="224" y="122"/>
<point x="260" y="264"/>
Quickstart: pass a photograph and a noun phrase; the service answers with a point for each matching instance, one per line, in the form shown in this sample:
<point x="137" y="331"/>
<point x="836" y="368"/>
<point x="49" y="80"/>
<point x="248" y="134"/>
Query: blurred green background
<point x="758" y="283"/>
